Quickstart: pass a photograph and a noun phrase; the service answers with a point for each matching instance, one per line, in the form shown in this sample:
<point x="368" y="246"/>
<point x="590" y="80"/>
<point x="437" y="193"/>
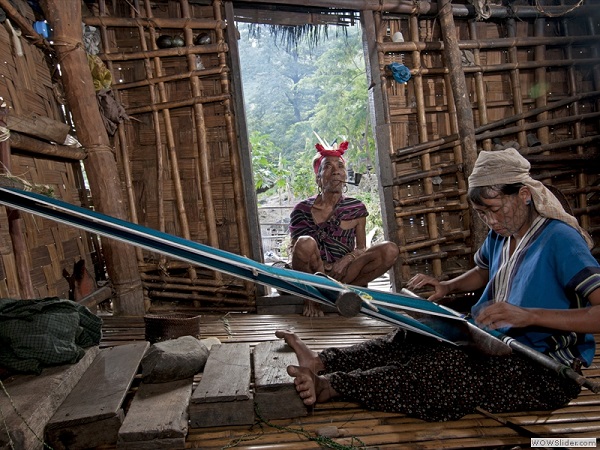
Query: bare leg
<point x="373" y="263"/>
<point x="306" y="258"/>
<point x="306" y="357"/>
<point x="311" y="388"/>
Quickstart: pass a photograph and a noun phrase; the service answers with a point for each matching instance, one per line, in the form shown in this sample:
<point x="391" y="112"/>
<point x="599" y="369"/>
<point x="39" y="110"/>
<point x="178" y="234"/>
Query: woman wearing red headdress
<point x="328" y="230"/>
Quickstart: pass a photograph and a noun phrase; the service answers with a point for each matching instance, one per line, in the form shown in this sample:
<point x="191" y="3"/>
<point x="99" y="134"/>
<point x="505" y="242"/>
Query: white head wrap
<point x="507" y="167"/>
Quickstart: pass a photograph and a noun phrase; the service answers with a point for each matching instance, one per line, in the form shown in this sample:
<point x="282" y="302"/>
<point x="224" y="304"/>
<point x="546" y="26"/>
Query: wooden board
<point x="35" y="398"/>
<point x="157" y="417"/>
<point x="92" y="413"/>
<point x="275" y="392"/>
<point x="223" y="395"/>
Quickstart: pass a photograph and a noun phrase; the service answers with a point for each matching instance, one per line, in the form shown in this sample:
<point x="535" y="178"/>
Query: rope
<point x="323" y="441"/>
<point x="20" y="417"/>
<point x="572" y="8"/>
<point x="4" y="134"/>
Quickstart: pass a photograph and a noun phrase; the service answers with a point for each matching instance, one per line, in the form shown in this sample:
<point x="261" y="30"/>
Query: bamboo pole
<point x="234" y="156"/>
<point x="540" y="124"/>
<point x="430" y="217"/>
<point x="432" y="8"/>
<point x="195" y="297"/>
<point x="168" y="78"/>
<point x="461" y="181"/>
<point x="479" y="86"/>
<point x="164" y="52"/>
<point x="581" y="180"/>
<point x="243" y="144"/>
<point x="202" y="182"/>
<point x="38" y="126"/>
<point x="373" y="33"/>
<point x="121" y="138"/>
<point x="558" y="145"/>
<point x="38" y="147"/>
<point x="515" y="82"/>
<point x="16" y="229"/>
<point x="446" y="141"/>
<point x="100" y="165"/>
<point x="466" y="126"/>
<point x="164" y="105"/>
<point x="429" y="173"/>
<point x="540" y="81"/>
<point x="154" y="22"/>
<point x="175" y="287"/>
<point x="445" y="194"/>
<point x="503" y="67"/>
<point x="172" y="151"/>
<point x="487" y="44"/>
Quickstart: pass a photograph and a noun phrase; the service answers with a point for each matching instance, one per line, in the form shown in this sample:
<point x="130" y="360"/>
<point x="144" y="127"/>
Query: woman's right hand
<point x="420" y="280"/>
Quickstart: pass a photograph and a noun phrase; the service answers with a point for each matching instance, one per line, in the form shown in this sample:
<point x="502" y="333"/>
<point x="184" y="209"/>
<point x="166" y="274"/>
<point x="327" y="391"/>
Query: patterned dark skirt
<point x="435" y="381"/>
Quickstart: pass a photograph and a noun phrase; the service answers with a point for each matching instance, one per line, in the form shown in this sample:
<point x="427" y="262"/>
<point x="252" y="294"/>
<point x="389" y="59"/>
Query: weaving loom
<point x="436" y="321"/>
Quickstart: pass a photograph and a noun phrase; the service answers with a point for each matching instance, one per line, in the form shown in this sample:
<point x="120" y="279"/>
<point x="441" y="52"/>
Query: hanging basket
<point x="170" y="326"/>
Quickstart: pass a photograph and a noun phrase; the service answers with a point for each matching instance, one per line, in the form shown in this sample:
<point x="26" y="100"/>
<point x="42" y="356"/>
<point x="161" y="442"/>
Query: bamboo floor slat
<point x="358" y="427"/>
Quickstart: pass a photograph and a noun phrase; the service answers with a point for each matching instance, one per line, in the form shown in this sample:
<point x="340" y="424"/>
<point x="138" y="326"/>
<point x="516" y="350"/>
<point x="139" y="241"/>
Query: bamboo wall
<point x="533" y="83"/>
<point x="33" y="104"/>
<point x="178" y="153"/>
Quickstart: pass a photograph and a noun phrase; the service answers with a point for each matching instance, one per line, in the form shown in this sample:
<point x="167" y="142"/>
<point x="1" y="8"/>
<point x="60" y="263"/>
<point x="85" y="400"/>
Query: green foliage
<point x="271" y="170"/>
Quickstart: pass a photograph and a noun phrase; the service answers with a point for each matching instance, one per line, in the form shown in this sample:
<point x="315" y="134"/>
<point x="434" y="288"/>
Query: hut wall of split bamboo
<point x="529" y="82"/>
<point x="35" y="251"/>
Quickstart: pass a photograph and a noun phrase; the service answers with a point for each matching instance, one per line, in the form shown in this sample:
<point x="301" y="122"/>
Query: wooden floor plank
<point x="581" y="418"/>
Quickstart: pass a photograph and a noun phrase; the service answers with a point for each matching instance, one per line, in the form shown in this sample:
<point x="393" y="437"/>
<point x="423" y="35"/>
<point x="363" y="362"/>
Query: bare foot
<point x="306" y="357"/>
<point x="312" y="309"/>
<point x="311" y="388"/>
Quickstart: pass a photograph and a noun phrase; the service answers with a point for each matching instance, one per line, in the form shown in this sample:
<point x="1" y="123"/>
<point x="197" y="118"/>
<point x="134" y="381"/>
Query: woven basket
<point x="170" y="326"/>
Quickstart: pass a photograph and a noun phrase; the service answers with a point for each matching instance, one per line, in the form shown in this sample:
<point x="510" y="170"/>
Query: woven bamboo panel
<point x="180" y="144"/>
<point x="432" y="215"/>
<point x="27" y="87"/>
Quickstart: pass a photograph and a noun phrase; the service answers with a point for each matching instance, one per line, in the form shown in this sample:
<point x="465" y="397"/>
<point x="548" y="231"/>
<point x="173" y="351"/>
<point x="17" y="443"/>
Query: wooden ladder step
<point x="223" y="395"/>
<point x="92" y="413"/>
<point x="157" y="417"/>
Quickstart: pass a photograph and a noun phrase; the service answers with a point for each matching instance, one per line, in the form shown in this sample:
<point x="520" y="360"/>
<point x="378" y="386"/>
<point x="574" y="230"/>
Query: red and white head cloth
<point x="323" y="152"/>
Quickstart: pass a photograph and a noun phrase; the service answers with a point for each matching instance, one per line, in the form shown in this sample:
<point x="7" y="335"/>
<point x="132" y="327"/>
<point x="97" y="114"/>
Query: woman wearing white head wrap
<point x="541" y="286"/>
<point x="535" y="265"/>
<point x="507" y="167"/>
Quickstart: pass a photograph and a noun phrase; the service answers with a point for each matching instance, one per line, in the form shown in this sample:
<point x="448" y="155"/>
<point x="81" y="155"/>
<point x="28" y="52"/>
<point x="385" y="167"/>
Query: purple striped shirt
<point x="334" y="242"/>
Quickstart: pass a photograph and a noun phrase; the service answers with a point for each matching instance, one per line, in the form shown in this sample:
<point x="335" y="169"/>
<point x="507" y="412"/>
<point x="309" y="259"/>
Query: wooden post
<point x="101" y="165"/>
<point x="15" y="224"/>
<point x="383" y="139"/>
<point x="464" y="112"/>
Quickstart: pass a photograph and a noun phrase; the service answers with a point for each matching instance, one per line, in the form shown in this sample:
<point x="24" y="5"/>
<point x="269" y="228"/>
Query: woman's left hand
<point x="502" y="314"/>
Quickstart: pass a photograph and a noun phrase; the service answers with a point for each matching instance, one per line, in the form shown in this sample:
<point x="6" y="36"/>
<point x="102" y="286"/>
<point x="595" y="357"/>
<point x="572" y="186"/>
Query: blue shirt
<point x="553" y="269"/>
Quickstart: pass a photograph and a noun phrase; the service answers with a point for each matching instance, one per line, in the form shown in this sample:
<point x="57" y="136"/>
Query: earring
<point x="528" y="202"/>
<point x="345" y="188"/>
